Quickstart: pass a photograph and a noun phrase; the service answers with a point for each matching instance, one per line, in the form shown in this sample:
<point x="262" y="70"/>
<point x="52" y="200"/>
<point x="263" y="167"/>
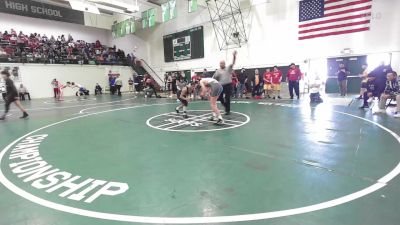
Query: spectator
<point x="40" y="49"/>
<point x="111" y="82"/>
<point x="342" y="79"/>
<point x="206" y="74"/>
<point x="56" y="90"/>
<point x="256" y="85"/>
<point x="392" y="90"/>
<point x="235" y="85"/>
<point x="267" y="82"/>
<point x="276" y="82"/>
<point x="315" y="86"/>
<point x="174" y="88"/>
<point x="136" y="82"/>
<point x="242" y="78"/>
<point x="169" y="82"/>
<point x="130" y="83"/>
<point x="364" y="80"/>
<point x="293" y="77"/>
<point x="98" y="90"/>
<point x="22" y="90"/>
<point x="118" y="84"/>
<point x="371" y="91"/>
<point x="380" y="76"/>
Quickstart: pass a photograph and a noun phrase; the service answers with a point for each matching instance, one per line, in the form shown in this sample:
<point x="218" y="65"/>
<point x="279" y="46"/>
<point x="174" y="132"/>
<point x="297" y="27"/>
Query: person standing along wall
<point x="118" y="84"/>
<point x="56" y="90"/>
<point x="256" y="84"/>
<point x="267" y="83"/>
<point x="235" y="85"/>
<point x="364" y="80"/>
<point x="276" y="82"/>
<point x="242" y="77"/>
<point x="342" y="74"/>
<point x="293" y="78"/>
<point x="224" y="76"/>
<point x="111" y="82"/>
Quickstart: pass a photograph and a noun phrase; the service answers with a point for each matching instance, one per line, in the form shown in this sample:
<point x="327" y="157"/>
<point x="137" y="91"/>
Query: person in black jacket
<point x="380" y="77"/>
<point x="242" y="78"/>
<point x="12" y="96"/>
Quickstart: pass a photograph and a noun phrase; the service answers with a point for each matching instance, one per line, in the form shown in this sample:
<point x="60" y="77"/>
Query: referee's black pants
<point x="225" y="97"/>
<point x="9" y="100"/>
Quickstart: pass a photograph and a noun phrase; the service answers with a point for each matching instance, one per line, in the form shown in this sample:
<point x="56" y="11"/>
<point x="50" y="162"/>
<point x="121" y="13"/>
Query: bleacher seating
<point x="35" y="48"/>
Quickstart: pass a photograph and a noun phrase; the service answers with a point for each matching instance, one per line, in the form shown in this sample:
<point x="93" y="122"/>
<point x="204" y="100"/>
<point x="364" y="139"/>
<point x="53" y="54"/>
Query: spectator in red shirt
<point x="268" y="82"/>
<point x="293" y="78"/>
<point x="276" y="82"/>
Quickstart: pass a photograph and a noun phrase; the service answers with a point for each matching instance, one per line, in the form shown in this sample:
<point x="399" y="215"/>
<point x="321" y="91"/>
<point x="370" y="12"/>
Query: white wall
<point x="99" y="21"/>
<point x="32" y="25"/>
<point x="37" y="77"/>
<point x="131" y="44"/>
<point x="273" y="38"/>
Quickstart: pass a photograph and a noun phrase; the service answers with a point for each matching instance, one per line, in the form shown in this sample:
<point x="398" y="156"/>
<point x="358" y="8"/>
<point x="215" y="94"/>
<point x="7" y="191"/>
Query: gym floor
<point x="272" y="163"/>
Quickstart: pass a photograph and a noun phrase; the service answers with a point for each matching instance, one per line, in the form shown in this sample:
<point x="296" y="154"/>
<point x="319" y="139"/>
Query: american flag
<point x="321" y="18"/>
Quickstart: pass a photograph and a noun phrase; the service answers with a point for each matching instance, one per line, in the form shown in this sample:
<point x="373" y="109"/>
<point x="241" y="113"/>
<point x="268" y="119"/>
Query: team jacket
<point x="392" y="87"/>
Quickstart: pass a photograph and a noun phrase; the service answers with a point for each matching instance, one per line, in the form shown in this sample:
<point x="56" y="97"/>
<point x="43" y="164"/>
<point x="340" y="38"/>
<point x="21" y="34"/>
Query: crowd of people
<point x="136" y="84"/>
<point x="225" y="83"/>
<point x="381" y="83"/>
<point x="37" y="48"/>
<point x="239" y="84"/>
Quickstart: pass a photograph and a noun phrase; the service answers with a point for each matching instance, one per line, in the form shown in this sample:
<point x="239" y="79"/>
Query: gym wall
<point x="273" y="37"/>
<point x="32" y="25"/>
<point x="37" y="77"/>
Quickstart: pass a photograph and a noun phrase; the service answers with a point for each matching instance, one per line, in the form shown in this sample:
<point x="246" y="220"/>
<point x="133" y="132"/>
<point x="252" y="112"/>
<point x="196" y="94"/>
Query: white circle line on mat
<point x="382" y="182"/>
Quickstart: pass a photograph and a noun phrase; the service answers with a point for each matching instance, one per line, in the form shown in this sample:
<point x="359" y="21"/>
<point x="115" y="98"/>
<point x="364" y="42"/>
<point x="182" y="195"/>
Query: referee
<point x="224" y="76"/>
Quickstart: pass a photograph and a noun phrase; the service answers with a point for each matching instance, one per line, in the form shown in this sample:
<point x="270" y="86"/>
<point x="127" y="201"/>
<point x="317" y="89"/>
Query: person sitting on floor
<point x="370" y="92"/>
<point x="315" y="86"/>
<point x="98" y="89"/>
<point x="22" y="92"/>
<point x="392" y="91"/>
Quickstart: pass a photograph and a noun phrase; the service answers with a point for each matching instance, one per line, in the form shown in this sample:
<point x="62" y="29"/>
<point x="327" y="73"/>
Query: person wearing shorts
<point x="276" y="82"/>
<point x="214" y="89"/>
<point x="183" y="96"/>
<point x="268" y="83"/>
<point x="364" y="80"/>
<point x="12" y="96"/>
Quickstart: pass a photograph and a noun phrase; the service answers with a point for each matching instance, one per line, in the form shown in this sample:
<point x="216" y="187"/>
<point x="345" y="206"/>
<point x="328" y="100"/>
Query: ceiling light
<point x="109" y="8"/>
<point x="84" y="6"/>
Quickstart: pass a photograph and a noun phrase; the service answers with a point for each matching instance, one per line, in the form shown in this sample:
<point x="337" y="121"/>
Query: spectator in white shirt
<point x="22" y="90"/>
<point x="315" y="86"/>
